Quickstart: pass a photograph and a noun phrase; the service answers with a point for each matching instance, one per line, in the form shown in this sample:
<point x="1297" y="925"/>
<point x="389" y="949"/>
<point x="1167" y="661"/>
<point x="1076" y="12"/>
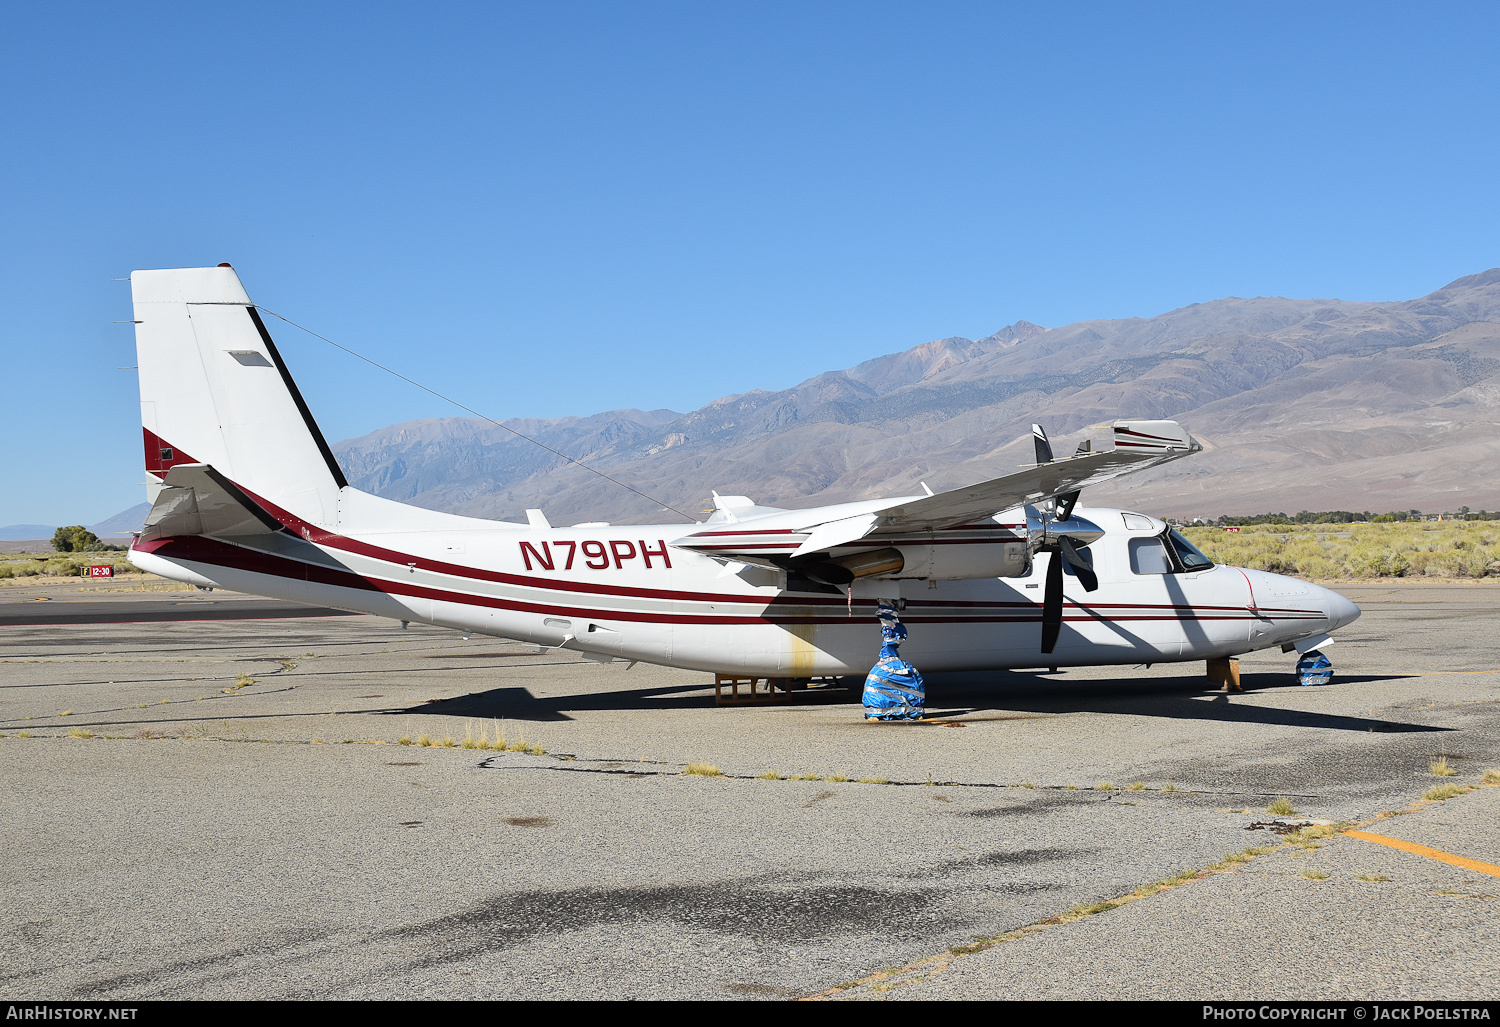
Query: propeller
<point x="1063" y="551"/>
<point x="1061" y="546"/>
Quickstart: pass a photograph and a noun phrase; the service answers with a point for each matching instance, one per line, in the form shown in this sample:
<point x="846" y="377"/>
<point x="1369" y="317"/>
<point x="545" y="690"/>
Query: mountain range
<point x="1300" y="403"/>
<point x="114" y="530"/>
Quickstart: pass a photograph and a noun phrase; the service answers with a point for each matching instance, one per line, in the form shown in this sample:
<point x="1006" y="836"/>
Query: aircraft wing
<point x="197" y="500"/>
<point x="1138" y="445"/>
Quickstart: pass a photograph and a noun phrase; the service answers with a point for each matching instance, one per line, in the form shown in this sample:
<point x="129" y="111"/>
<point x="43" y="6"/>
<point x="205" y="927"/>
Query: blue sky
<point x="553" y="208"/>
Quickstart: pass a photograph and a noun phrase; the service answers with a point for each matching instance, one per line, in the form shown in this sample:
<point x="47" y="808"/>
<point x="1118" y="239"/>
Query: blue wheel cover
<point x="1314" y="669"/>
<point x="893" y="689"/>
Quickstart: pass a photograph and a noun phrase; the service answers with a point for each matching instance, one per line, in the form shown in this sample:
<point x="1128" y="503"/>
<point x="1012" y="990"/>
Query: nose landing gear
<point x="1314" y="669"/>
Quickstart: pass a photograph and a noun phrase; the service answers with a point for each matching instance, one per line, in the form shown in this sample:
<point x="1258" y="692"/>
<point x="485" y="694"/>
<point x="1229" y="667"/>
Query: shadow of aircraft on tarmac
<point x="956" y="697"/>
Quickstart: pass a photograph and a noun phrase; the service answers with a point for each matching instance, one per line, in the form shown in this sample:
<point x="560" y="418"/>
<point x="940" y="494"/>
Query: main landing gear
<point x="893" y="690"/>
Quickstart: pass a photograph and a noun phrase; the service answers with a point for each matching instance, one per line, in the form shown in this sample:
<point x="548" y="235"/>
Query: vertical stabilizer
<point x="214" y="390"/>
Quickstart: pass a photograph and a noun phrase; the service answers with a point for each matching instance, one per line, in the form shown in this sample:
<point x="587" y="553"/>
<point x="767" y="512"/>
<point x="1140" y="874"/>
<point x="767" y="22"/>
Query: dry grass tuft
<point x="424" y="740"/>
<point x="837" y="778"/>
<point x="1491" y="777"/>
<point x="703" y="770"/>
<point x="1315" y="875"/>
<point x="1437" y="793"/>
<point x="1139" y="786"/>
<point x="1282" y="807"/>
<point x="1170" y="787"/>
<point x="24" y="734"/>
<point x="1084" y="909"/>
<point x="1371" y="877"/>
<point x="1440" y="767"/>
<point x="1105" y="786"/>
<point x="404" y="740"/>
<point x="873" y="781"/>
<point x="79" y="732"/>
<point x="967" y="950"/>
<point x="809" y="777"/>
<point x="66" y="713"/>
<point x="448" y="742"/>
<point x="769" y="775"/>
<point x="1310" y="837"/>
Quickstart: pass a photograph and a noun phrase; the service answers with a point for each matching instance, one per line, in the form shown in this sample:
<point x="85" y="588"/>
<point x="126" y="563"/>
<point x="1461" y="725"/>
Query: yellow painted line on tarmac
<point x="1422" y="850"/>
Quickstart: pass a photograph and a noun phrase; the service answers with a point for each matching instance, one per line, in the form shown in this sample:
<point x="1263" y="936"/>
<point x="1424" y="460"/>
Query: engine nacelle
<point x="954" y="563"/>
<point x="940" y="562"/>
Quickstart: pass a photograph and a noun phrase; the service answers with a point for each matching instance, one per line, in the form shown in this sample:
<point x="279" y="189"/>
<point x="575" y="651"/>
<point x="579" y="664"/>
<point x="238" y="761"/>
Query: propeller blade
<point x="1081" y="570"/>
<point x="1043" y="447"/>
<point x="1064" y="506"/>
<point x="1052" y="603"/>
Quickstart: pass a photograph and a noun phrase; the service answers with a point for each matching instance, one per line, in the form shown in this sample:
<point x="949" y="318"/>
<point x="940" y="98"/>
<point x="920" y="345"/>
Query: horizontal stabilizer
<point x="198" y="500"/>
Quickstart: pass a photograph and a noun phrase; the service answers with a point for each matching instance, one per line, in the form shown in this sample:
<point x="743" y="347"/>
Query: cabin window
<point x="1088" y="558"/>
<point x="1149" y="556"/>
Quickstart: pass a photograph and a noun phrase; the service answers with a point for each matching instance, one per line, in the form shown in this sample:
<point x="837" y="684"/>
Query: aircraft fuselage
<point x="626" y="592"/>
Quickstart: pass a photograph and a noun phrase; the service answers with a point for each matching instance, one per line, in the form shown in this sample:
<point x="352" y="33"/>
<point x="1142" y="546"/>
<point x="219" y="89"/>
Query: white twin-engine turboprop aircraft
<point x="251" y="499"/>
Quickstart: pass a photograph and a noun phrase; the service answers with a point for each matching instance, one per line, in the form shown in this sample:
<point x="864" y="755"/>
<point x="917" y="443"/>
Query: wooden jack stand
<point x="753" y="691"/>
<point x="756" y="691"/>
<point x="1226" y="674"/>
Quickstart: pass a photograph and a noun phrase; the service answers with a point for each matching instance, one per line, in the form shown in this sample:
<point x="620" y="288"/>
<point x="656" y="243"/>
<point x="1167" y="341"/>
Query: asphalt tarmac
<point x="206" y="796"/>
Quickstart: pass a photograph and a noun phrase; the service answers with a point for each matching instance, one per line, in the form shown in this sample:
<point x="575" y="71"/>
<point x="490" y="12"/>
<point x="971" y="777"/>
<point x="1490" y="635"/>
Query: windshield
<point x="1187" y="553"/>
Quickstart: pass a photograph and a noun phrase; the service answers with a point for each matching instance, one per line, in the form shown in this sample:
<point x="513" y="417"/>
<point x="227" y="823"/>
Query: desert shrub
<point x="1394" y="548"/>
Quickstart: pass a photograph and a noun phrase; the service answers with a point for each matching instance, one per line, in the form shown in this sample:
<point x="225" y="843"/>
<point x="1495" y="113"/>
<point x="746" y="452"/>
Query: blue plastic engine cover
<point x="1314" y="669"/>
<point x="893" y="689"/>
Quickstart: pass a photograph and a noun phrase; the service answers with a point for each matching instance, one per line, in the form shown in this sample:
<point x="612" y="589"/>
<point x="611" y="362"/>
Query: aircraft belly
<point x="378" y="604"/>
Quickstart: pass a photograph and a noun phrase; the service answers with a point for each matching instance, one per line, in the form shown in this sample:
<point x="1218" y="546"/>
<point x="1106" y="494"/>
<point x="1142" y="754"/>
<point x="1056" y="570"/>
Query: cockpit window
<point x="1167" y="553"/>
<point x="1188" y="554"/>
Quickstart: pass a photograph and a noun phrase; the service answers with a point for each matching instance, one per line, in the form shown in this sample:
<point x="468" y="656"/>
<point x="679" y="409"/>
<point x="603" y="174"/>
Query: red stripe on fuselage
<point x="198" y="549"/>
<point x="404" y="561"/>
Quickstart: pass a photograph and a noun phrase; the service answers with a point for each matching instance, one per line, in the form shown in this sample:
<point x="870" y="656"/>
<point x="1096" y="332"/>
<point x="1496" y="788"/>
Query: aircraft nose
<point x="1336" y="608"/>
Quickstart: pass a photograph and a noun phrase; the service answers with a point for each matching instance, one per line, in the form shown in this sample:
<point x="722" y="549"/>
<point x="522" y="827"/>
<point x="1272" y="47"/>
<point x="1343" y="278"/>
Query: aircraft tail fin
<point x="214" y="390"/>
